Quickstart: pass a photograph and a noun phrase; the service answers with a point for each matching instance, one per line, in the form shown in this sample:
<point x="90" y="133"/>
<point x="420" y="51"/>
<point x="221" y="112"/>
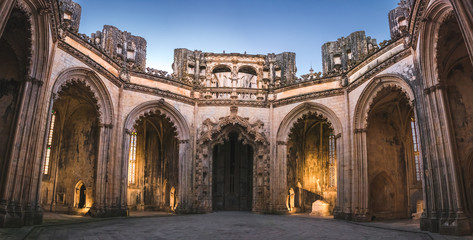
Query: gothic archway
<point x="153" y="163"/>
<point x="386" y="140"/>
<point x="214" y="133"/>
<point x="24" y="45"/>
<point x="328" y="118"/>
<point x="78" y="138"/>
<point x="447" y="73"/>
<point x="312" y="164"/>
<point x="158" y="124"/>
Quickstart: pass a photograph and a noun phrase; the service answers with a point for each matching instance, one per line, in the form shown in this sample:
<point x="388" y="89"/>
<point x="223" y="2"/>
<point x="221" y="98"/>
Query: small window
<point x="332" y="157"/>
<point x="130" y="54"/>
<point x="402" y="21"/>
<point x="349" y="54"/>
<point x="119" y="49"/>
<point x="337" y="60"/>
<point x="415" y="142"/>
<point x="132" y="159"/>
<point x="49" y="144"/>
<point x="67" y="15"/>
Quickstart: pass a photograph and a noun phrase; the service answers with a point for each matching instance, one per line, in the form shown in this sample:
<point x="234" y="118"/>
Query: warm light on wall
<point x="332" y="157"/>
<point x="50" y="142"/>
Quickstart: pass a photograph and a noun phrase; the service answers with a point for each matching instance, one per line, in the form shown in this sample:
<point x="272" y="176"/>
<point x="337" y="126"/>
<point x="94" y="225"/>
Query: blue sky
<point x="257" y="27"/>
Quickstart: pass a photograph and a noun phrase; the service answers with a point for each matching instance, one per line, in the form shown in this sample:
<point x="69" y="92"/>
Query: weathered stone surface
<point x="340" y="55"/>
<point x="382" y="130"/>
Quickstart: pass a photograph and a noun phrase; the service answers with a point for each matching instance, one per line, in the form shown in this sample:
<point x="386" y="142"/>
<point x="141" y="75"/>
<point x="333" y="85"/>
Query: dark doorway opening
<point x="82" y="196"/>
<point x="232" y="175"/>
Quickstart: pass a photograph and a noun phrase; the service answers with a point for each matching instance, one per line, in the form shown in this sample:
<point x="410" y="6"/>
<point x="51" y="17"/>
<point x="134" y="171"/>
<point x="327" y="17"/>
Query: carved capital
<point x="34" y="81"/>
<point x="185" y="141"/>
<point x="281" y="143"/>
<point x="109" y="125"/>
<point x="44" y="11"/>
<point x="427" y="91"/>
<point x="360" y="130"/>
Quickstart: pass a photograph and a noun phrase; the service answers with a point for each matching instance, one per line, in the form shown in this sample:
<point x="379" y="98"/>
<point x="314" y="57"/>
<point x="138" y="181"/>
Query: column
<point x="184" y="189"/>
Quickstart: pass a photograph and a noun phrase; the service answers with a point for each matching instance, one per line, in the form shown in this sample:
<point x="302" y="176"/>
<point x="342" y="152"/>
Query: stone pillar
<point x="456" y="221"/>
<point x="339" y="168"/>
<point x="444" y="208"/>
<point x="19" y="205"/>
<point x="124" y="172"/>
<point x="5" y="8"/>
<point x="100" y="205"/>
<point x="360" y="205"/>
<point x="185" y="177"/>
<point x="279" y="178"/>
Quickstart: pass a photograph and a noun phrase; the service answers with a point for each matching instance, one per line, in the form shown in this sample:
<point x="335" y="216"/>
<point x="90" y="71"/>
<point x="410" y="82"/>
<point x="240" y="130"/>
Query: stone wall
<point x="369" y="138"/>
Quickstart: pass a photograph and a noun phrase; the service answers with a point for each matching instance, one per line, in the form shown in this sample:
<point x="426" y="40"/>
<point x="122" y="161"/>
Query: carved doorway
<point x="232" y="175"/>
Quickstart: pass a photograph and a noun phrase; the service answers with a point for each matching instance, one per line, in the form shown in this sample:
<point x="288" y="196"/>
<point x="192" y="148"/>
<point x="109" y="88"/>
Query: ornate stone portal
<point x="217" y="133"/>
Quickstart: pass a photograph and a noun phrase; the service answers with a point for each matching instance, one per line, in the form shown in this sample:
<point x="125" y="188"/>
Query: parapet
<point x="127" y="49"/>
<point x="234" y="69"/>
<point x="399" y="17"/>
<point x="339" y="55"/>
<point x="70" y="13"/>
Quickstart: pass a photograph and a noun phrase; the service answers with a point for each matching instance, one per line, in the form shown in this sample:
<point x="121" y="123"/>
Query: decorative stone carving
<point x="217" y="132"/>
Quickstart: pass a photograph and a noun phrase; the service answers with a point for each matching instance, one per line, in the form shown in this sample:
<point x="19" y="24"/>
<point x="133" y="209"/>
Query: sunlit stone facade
<point x="383" y="133"/>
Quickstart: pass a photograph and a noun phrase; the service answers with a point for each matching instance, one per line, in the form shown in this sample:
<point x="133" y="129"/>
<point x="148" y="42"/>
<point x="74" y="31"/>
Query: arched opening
<point x="80" y="195"/>
<point x="247" y="77"/>
<point x="394" y="166"/>
<point x="311" y="166"/>
<point x="153" y="175"/>
<point x="455" y="71"/>
<point x="232" y="175"/>
<point x="72" y="150"/>
<point x="15" y="46"/>
<point x="221" y="76"/>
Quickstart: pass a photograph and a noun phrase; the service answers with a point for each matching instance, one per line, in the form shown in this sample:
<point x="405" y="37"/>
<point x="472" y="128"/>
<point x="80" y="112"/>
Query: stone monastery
<point x="384" y="132"/>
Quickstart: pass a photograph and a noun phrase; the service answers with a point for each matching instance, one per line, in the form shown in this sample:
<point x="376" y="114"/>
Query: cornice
<point x="89" y="62"/>
<point x="160" y="79"/>
<point x="375" y="55"/>
<point x="309" y="96"/>
<point x="230" y="102"/>
<point x="94" y="49"/>
<point x="308" y="83"/>
<point x="158" y="92"/>
<point x="380" y="67"/>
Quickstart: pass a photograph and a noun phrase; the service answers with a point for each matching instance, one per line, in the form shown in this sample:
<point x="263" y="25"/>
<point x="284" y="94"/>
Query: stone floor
<point x="220" y="225"/>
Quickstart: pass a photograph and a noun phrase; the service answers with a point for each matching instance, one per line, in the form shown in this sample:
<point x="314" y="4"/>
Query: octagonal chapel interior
<point x="384" y="132"/>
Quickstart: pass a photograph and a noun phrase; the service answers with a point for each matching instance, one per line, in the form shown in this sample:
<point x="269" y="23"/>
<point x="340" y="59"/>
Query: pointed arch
<point x="161" y="106"/>
<point x="93" y="82"/>
<point x="435" y="15"/>
<point x="178" y="121"/>
<point x="38" y="15"/>
<point x="371" y="92"/>
<point x="366" y="102"/>
<point x="305" y="108"/>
